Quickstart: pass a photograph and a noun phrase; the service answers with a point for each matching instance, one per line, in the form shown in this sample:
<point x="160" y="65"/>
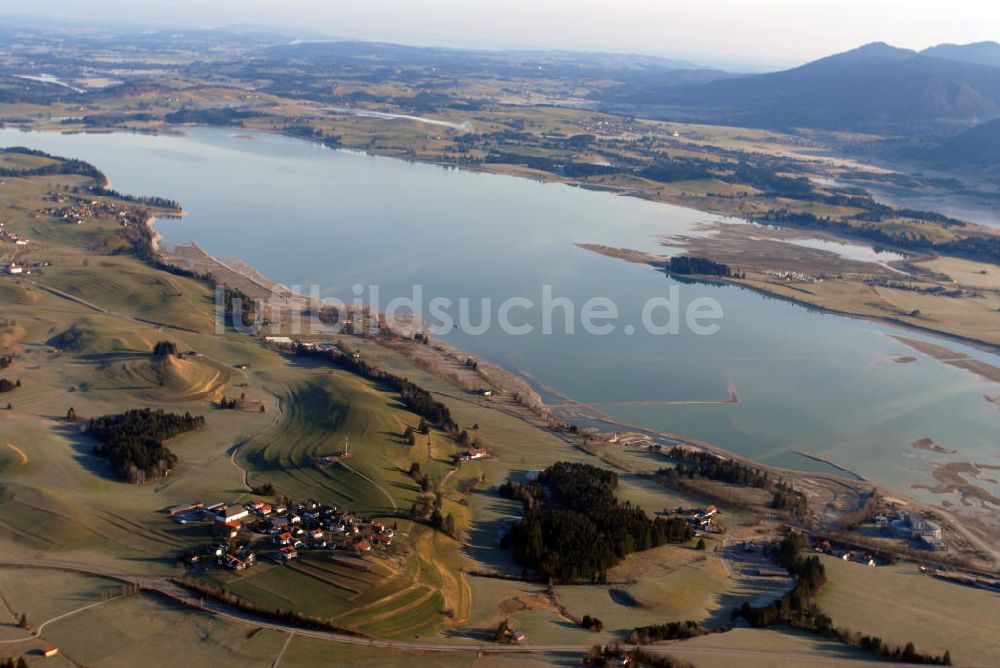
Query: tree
<point x="504" y="629"/>
<point x="700" y="545"/>
<point x="449" y="525"/>
<point x="164" y="348"/>
<point x="71" y="414"/>
<point x="22" y="621"/>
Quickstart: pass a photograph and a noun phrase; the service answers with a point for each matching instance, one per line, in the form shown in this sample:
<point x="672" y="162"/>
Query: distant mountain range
<point x="980" y="53"/>
<point x="535" y="64"/>
<point x="876" y="87"/>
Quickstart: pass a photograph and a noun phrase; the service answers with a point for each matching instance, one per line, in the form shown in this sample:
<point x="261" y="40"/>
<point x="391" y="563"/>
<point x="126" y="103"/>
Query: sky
<point x="710" y="31"/>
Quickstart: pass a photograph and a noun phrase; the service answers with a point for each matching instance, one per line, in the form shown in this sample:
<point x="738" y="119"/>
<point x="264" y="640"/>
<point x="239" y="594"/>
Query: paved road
<point x="168" y="589"/>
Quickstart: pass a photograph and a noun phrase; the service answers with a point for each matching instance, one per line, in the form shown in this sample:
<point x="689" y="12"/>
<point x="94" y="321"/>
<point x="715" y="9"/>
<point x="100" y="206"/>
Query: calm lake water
<point x="304" y="214"/>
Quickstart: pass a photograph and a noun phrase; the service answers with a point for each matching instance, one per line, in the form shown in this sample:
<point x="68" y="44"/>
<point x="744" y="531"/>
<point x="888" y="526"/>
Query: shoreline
<point x="653" y="261"/>
<point x="543" y="415"/>
<point x="545" y="177"/>
<point x="548" y="415"/>
<point x="254" y="277"/>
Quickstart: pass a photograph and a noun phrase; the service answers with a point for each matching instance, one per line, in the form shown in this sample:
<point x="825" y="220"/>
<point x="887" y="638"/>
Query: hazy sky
<point x="761" y="30"/>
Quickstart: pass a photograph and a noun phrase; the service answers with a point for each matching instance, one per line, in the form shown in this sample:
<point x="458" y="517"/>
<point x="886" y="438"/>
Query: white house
<point x="234" y="514"/>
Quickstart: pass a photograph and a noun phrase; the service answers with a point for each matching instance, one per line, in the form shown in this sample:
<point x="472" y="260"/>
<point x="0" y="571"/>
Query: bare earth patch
<point x="929" y="445"/>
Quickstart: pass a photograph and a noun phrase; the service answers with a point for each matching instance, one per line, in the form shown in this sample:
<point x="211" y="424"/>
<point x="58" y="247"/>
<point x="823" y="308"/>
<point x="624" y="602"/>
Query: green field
<point x="900" y="604"/>
<point x="86" y="344"/>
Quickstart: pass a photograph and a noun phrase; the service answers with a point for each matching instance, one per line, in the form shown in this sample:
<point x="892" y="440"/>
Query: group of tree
<point x="574" y="527"/>
<point x="147" y="200"/>
<point x="798" y="607"/>
<point x="981" y="247"/>
<point x="286" y="616"/>
<point x="615" y="655"/>
<point x="673" y="169"/>
<point x="789" y="499"/>
<point x="643" y="635"/>
<point x="687" y="265"/>
<point x="164" y="348"/>
<point x="133" y="441"/>
<point x="239" y="309"/>
<point x="240" y="403"/>
<point x="211" y="116"/>
<point x="8" y="386"/>
<point x="266" y="489"/>
<point x="5" y="361"/>
<point x="592" y="624"/>
<point x="11" y="663"/>
<point x="700" y="463"/>
<point x="59" y="166"/>
<point x="765" y="177"/>
<point x="809" y="575"/>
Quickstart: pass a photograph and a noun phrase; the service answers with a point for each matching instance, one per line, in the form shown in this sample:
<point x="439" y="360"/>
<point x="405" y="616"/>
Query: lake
<point x="304" y="214"/>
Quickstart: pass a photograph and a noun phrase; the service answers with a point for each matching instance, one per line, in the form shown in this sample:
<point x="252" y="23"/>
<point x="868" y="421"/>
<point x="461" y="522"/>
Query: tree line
<point x="286" y="616"/>
<point x="981" y="247"/>
<point x="692" y="464"/>
<point x="798" y="607"/>
<point x="705" y="464"/>
<point x="133" y="441"/>
<point x="61" y="166"/>
<point x="415" y="398"/>
<point x="687" y="265"/>
<point x="574" y="527"/>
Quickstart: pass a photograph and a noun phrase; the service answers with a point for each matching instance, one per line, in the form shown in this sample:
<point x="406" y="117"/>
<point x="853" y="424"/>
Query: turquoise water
<point x="304" y="214"/>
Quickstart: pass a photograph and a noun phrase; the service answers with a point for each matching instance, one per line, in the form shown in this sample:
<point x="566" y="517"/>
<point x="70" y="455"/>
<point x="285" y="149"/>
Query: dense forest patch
<point x="575" y="528"/>
<point x="133" y="441"/>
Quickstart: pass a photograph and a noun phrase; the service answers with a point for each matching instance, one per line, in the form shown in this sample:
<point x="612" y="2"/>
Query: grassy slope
<point x="61" y="502"/>
<point x="901" y="605"/>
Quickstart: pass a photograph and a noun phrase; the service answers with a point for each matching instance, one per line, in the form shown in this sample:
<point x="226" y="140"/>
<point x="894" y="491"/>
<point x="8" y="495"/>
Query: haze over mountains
<point x="982" y="53"/>
<point x="976" y="147"/>
<point x="876" y="87"/>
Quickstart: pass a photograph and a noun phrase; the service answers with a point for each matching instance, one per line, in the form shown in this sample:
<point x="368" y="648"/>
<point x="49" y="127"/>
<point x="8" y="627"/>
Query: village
<point x="257" y="529"/>
<point x="76" y="210"/>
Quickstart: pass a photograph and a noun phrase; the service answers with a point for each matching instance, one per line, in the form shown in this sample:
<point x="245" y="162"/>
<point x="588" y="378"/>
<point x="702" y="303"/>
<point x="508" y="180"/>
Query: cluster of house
<point x="322" y="346"/>
<point x="75" y="209"/>
<point x="630" y="440"/>
<point x="865" y="558"/>
<point x="233" y="557"/>
<point x="16" y="268"/>
<point x="794" y="276"/>
<point x="699" y="519"/>
<point x="13" y="237"/>
<point x="912" y="527"/>
<point x="298" y="526"/>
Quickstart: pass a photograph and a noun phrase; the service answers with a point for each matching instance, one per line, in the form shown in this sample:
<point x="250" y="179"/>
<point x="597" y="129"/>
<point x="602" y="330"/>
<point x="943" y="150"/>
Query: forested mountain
<point x="874" y="87"/>
<point x="982" y="53"/>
